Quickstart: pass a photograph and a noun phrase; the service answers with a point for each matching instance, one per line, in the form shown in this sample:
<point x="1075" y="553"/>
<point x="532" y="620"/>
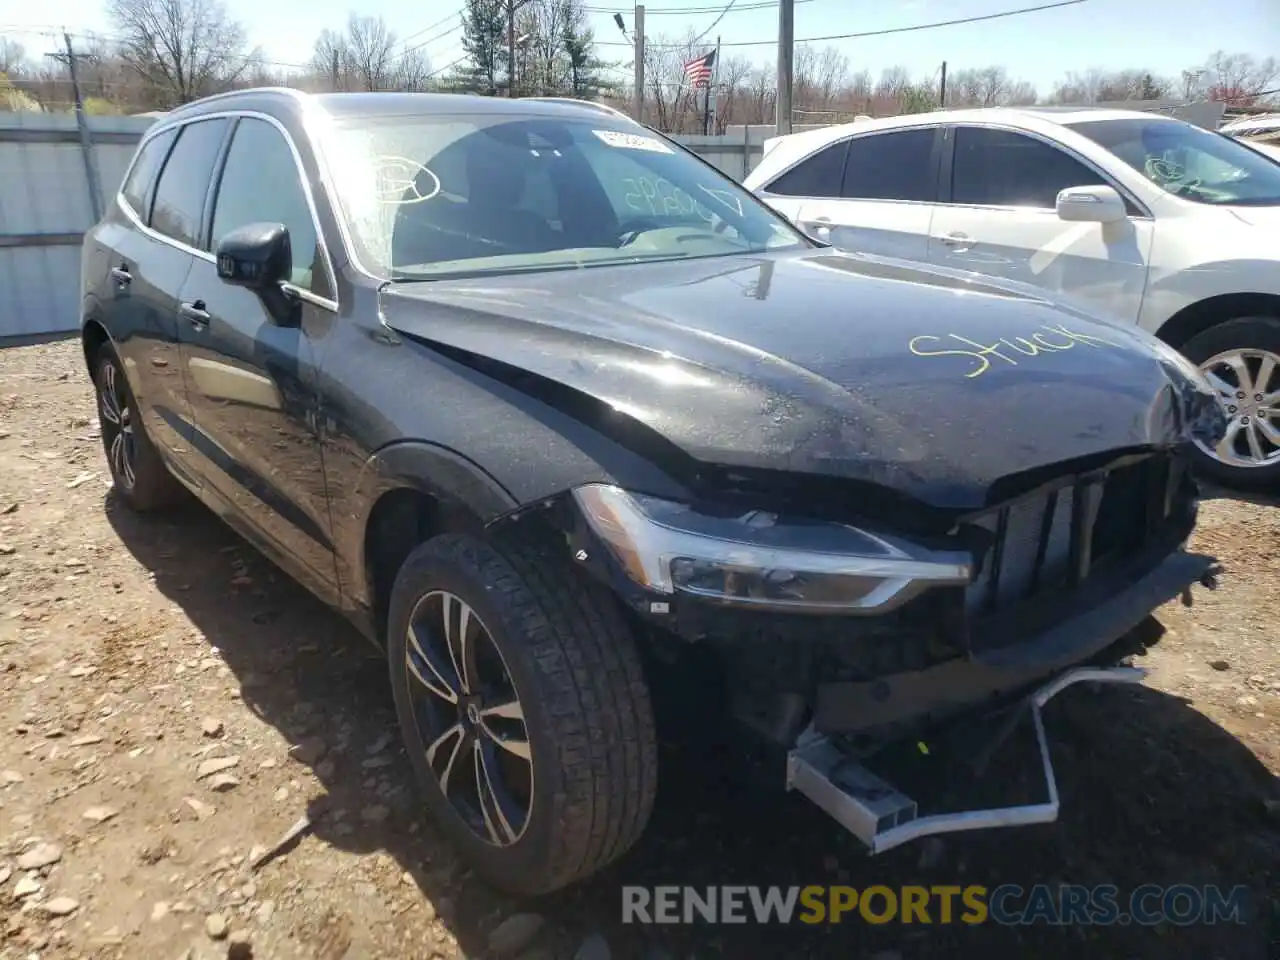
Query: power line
<point x="714" y="23"/>
<point x="447" y="66"/>
<point x="439" y="23"/>
<point x="692" y="11"/>
<point x="431" y="40"/>
<point x="880" y="33"/>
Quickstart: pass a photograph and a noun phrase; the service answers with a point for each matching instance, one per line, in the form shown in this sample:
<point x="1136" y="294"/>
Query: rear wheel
<point x="1241" y="359"/>
<point x="141" y="479"/>
<point x="521" y="700"/>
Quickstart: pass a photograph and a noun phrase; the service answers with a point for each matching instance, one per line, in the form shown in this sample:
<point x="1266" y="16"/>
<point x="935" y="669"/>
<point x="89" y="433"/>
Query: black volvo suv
<point x="563" y="419"/>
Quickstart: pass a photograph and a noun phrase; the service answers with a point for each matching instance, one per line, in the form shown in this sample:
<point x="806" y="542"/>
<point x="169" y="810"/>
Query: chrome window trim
<point x="161" y="127"/>
<point x="1048" y="141"/>
<point x="856" y="135"/>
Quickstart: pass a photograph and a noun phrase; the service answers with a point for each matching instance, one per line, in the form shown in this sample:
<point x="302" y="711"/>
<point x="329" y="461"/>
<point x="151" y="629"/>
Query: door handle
<point x="121" y="274"/>
<point x="957" y="240"/>
<point x="196" y="313"/>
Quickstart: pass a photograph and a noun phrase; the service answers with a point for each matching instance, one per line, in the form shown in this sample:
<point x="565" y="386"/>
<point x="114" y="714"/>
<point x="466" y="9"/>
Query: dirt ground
<point x="135" y="652"/>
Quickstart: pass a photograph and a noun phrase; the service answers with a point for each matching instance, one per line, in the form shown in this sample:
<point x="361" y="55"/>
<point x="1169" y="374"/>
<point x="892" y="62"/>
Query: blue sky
<point x="1165" y="36"/>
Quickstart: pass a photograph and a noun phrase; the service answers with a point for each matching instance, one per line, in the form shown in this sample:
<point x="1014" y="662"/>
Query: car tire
<point x="140" y="477"/>
<point x="569" y="660"/>
<point x="1253" y="339"/>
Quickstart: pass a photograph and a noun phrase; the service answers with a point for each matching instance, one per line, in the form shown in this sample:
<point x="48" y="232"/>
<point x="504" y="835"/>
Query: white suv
<point x="1144" y="218"/>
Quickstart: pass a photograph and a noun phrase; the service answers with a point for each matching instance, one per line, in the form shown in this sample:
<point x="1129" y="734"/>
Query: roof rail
<point x="603" y="107"/>
<point x="240" y="92"/>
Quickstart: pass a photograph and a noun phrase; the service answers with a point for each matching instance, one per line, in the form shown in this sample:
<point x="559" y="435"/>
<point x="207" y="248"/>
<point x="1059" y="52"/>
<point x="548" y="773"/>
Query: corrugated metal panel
<point x="45" y="207"/>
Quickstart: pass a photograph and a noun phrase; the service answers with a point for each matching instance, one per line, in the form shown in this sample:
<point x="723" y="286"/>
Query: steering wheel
<point x="632" y="227"/>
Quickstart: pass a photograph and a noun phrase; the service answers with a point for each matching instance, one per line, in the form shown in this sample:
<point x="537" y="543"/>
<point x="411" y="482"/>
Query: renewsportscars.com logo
<point x="1008" y="904"/>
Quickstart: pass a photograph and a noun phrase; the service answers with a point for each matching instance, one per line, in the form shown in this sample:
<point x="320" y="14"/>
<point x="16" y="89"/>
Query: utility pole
<point x="82" y="125"/>
<point x="639" y="44"/>
<point x="786" y="54"/>
<point x="334" y="68"/>
<point x="942" y="88"/>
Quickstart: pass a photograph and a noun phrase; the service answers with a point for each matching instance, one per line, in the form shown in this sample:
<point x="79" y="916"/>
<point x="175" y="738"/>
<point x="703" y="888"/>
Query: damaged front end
<point x="838" y="520"/>
<point x="838" y="643"/>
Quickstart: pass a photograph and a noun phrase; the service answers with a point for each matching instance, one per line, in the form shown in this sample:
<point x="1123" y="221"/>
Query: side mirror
<point x="1090" y="205"/>
<point x="257" y="256"/>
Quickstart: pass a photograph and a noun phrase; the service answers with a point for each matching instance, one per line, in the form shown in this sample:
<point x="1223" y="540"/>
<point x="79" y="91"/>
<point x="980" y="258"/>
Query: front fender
<point x="1171" y="292"/>
<point x="437" y="471"/>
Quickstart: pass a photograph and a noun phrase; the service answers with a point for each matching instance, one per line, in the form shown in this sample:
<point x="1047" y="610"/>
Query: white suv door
<point x="871" y="193"/>
<point x="996" y="215"/>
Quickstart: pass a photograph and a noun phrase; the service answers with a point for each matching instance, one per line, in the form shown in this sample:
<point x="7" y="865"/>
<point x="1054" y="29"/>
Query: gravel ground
<point x="173" y="705"/>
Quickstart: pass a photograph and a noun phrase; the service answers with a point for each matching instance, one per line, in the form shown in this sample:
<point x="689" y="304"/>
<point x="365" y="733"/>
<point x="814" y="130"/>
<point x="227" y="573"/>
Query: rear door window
<point x="817" y="176"/>
<point x="891" y="166"/>
<point x="184" y="182"/>
<point x="137" y="186"/>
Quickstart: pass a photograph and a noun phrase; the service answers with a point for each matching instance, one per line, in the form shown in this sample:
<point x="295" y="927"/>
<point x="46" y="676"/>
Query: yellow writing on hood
<point x="1050" y="338"/>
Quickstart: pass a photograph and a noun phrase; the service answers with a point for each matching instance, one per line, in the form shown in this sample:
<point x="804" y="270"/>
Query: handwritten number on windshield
<point x="660" y="198"/>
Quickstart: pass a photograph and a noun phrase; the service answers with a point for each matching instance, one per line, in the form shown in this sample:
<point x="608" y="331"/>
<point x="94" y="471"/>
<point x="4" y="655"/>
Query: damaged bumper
<point x="822" y="766"/>
<point x="883" y="817"/>
<point x="960" y="683"/>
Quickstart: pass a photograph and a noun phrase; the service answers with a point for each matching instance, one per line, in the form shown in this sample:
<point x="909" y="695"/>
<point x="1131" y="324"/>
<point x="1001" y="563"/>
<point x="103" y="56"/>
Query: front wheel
<point x="1241" y="359"/>
<point x="521" y="700"/>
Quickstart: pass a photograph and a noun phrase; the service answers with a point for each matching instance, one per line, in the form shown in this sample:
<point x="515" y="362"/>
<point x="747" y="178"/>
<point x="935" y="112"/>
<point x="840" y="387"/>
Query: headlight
<point x="759" y="560"/>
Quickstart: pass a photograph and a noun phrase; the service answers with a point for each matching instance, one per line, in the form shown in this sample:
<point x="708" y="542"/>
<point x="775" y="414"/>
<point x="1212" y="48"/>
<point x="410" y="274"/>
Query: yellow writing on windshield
<point x="1050" y="338"/>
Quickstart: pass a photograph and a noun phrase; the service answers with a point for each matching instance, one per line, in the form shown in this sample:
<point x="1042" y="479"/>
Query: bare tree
<point x="544" y="22"/>
<point x="733" y="74"/>
<point x="329" y="58"/>
<point x="182" y="49"/>
<point x="818" y="77"/>
<point x="367" y="55"/>
<point x="1238" y="77"/>
<point x="371" y="52"/>
<point x="13" y="59"/>
<point x="412" y="70"/>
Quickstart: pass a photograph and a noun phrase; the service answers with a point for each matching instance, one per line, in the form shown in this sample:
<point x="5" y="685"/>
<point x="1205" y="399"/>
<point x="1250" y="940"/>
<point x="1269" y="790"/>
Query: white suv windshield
<point x="428" y="197"/>
<point x="1188" y="161"/>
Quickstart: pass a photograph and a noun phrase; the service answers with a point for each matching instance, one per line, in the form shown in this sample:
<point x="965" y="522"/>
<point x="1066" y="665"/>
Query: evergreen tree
<point x="578" y="40"/>
<point x="484" y="41"/>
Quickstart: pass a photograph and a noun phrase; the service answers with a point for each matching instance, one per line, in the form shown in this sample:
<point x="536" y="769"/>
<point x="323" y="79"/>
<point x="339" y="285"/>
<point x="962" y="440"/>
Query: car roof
<point x="782" y="152"/>
<point x="388" y="104"/>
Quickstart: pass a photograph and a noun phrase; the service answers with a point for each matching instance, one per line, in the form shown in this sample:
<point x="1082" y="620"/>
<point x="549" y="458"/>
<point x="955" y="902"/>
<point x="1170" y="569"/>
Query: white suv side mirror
<point x="1090" y="205"/>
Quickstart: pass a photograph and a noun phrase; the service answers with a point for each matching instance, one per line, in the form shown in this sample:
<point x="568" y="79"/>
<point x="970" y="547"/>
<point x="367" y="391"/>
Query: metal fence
<point x="51" y="184"/>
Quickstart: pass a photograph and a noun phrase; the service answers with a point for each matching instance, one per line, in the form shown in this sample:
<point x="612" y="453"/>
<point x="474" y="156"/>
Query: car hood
<point x="936" y="384"/>
<point x="1268" y="217"/>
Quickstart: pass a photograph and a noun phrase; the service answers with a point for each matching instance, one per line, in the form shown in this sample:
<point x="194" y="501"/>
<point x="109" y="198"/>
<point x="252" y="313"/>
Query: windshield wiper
<point x="534" y="268"/>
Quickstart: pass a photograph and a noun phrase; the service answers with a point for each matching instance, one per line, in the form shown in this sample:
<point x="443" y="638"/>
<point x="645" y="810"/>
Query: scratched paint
<point x="1050" y="338"/>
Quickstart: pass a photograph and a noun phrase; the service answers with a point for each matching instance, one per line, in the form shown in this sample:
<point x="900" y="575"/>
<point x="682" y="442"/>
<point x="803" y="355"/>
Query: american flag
<point x="699" y="71"/>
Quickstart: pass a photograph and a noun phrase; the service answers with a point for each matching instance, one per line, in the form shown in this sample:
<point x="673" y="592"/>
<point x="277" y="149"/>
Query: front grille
<point x="1055" y="538"/>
